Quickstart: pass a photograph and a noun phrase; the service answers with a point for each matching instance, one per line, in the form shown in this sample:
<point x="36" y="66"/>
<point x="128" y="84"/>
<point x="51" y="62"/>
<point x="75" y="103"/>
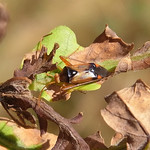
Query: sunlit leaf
<point x="15" y="138"/>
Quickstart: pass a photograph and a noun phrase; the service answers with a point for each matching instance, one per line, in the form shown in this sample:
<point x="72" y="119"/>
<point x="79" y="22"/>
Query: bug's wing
<point x="83" y="77"/>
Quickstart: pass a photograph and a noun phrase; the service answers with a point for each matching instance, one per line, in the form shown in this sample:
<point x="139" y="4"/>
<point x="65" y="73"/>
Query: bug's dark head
<point x="67" y="74"/>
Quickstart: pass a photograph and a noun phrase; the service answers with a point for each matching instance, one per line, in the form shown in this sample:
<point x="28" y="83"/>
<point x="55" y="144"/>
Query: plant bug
<point x="72" y="76"/>
<point x="81" y="74"/>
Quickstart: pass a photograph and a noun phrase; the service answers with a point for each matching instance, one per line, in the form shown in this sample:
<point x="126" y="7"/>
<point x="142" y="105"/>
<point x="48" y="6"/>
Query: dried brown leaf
<point x="105" y="47"/>
<point x="77" y="118"/>
<point x="27" y="137"/>
<point x="116" y="139"/>
<point x="54" y="90"/>
<point x="145" y="48"/>
<point x="17" y="86"/>
<point x="124" y="65"/>
<point x="143" y="54"/>
<point x="36" y="64"/>
<point x="96" y="141"/>
<point x="128" y="113"/>
<point x="52" y="138"/>
<point x="138" y="61"/>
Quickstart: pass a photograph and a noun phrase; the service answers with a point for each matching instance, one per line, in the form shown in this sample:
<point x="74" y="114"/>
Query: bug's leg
<point x="49" y="75"/>
<point x="65" y="60"/>
<point x="39" y="97"/>
<point x="56" y="80"/>
<point x="65" y="88"/>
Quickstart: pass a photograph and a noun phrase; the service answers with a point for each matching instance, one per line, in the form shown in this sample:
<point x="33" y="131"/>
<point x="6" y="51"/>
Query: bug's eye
<point x="72" y="73"/>
<point x="92" y="67"/>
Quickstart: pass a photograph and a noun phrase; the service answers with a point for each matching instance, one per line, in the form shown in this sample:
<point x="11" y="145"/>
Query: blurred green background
<point x="31" y="19"/>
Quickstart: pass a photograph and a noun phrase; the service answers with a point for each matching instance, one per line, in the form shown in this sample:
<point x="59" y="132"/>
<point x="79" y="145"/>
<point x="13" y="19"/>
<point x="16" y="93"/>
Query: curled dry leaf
<point x="138" y="61"/>
<point x="124" y="65"/>
<point x="18" y="87"/>
<point x="128" y="113"/>
<point x="106" y="46"/>
<point x="96" y="141"/>
<point x="116" y="139"/>
<point x="112" y="52"/>
<point x="54" y="90"/>
<point x="77" y="118"/>
<point x="52" y="141"/>
<point x="144" y="49"/>
<point x="40" y="62"/>
<point x="141" y="58"/>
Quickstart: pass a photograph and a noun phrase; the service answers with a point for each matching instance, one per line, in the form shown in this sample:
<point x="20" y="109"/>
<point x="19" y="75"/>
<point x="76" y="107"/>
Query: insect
<point x="80" y="74"/>
<point x="72" y="76"/>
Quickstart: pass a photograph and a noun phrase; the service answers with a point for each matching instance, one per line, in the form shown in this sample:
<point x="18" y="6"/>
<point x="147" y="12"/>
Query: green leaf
<point x="141" y="56"/>
<point x="10" y="140"/>
<point x="110" y="65"/>
<point x="88" y="87"/>
<point x="40" y="81"/>
<point x="46" y="96"/>
<point x="66" y="39"/>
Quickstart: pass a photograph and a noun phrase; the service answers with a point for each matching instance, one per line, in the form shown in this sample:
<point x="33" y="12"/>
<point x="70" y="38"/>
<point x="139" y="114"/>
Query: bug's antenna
<point x="77" y="60"/>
